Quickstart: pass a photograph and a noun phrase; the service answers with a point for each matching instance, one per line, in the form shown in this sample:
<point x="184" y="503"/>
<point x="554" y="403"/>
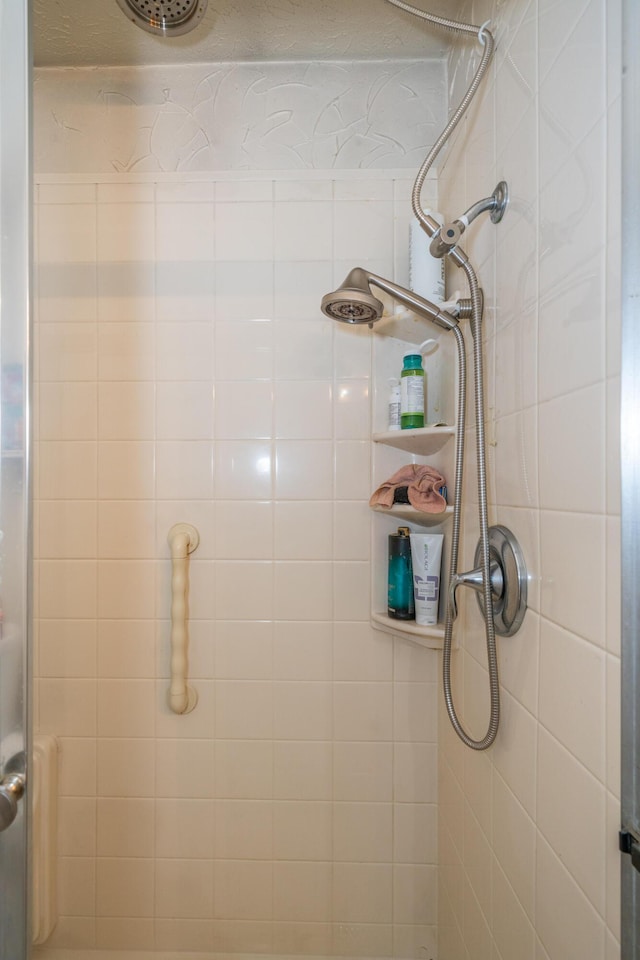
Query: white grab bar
<point x="183" y="540"/>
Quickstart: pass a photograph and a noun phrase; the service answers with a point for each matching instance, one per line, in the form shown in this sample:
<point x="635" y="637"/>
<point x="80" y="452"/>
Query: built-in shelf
<point x="432" y="637"/>
<point x="422" y="441"/>
<point x="404" y="511"/>
<point x="406" y="325"/>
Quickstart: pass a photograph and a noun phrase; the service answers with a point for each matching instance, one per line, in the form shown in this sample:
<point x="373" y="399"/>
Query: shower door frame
<point x="15" y="465"/>
<point x="630" y="475"/>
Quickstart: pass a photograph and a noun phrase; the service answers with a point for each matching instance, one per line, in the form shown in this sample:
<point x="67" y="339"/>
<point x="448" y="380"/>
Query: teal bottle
<point x="412" y="392"/>
<point x="400" y="604"/>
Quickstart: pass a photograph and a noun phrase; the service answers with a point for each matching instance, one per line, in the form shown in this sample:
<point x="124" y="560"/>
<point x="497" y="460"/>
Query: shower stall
<point x="196" y="188"/>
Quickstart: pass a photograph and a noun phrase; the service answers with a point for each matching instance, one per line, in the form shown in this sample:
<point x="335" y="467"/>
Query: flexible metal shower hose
<point x="460" y="258"/>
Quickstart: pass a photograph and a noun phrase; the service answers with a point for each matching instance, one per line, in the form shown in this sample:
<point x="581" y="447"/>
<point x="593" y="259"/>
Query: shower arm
<point x="448" y="235"/>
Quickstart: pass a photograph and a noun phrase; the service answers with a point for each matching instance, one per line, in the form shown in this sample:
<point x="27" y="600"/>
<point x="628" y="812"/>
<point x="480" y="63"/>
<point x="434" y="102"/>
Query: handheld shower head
<point x="353" y="302"/>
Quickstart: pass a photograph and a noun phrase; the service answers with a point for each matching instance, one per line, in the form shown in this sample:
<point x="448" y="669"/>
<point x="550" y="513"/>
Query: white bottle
<point x="426" y="273"/>
<point x="394" y="404"/>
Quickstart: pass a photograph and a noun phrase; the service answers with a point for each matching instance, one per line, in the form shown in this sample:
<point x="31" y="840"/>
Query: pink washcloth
<point x="423" y="484"/>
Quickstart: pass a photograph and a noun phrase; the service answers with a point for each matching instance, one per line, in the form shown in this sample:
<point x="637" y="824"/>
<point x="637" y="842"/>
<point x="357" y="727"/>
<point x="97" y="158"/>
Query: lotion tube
<point x="426" y="555"/>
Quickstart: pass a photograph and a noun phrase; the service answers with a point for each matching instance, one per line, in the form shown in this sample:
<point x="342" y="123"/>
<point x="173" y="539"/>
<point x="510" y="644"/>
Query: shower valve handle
<point x="475" y="580"/>
<point x="11" y="789"/>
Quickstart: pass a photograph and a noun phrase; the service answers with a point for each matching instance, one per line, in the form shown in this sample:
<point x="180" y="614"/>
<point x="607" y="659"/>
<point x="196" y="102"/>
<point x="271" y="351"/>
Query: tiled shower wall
<point x="529" y="866"/>
<point x="185" y="373"/>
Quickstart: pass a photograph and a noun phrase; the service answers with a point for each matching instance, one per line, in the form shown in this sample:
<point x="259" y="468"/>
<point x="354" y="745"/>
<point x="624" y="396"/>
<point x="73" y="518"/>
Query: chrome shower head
<point x="353" y="302"/>
<point x="169" y="18"/>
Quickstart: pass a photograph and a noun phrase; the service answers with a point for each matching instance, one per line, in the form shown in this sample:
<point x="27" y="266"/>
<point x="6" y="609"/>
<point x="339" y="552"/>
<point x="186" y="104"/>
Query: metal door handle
<point x="11" y="789"/>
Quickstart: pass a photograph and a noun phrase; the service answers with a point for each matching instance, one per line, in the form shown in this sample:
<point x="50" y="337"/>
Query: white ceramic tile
<point x="302" y="710"/>
<point x="243" y="889"/>
<point x="244" y="710"/>
<point x="244" y="590"/>
<point x="303" y="410"/>
<point x="126" y="411"/>
<point x="303" y="591"/>
<point x="125" y="708"/>
<point x="125" y="192"/>
<point x="302" y="771"/>
<point x="577" y="930"/>
<point x="68" y="411"/>
<point x="124" y="887"/>
<point x="303" y="230"/>
<point x="126" y="529"/>
<point x="517" y="766"/>
<point x="513" y="931"/>
<point x="243" y="830"/>
<point x="126" y="589"/>
<point x="244" y="231"/>
<point x="67" y="529"/>
<point x="77" y="886"/>
<point x="184" y="231"/>
<point x="415" y="773"/>
<point x="302" y="650"/>
<point x="360" y="653"/>
<point x="125" y="827"/>
<point x="304" y="470"/>
<point x="415" y="833"/>
<point x="184" y="469"/>
<point x="67" y="233"/>
<point x="126" y="231"/>
<point x="67" y="648"/>
<point x="126" y="351"/>
<point x="184" y="351"/>
<point x="352" y="410"/>
<point x="76" y="835"/>
<point x="363" y="711"/>
<point x="302" y="891"/>
<point x="303" y="350"/>
<point x="125" y="768"/>
<point x="244" y="769"/>
<point x="243" y="470"/>
<point x="126" y="648"/>
<point x="67" y="469"/>
<point x="302" y="830"/>
<point x="302" y="530"/>
<point x="243" y="350"/>
<point x="67" y="589"/>
<point x="581" y="813"/>
<point x="351" y="530"/>
<point x="66" y="351"/>
<point x="363" y="771"/>
<point x="613" y="725"/>
<point x="572" y="691"/>
<point x="184" y="829"/>
<point x="231" y="518"/>
<point x="514" y="840"/>
<point x="243" y="292"/>
<point x="243" y="410"/>
<point x="573" y="551"/>
<point x="352" y="470"/>
<point x="299" y="288"/>
<point x="351" y="588"/>
<point x="185" y="769"/>
<point x="243" y="650"/>
<point x="184" y="292"/>
<point x="362" y="892"/>
<point x="126" y="291"/>
<point x="571" y="438"/>
<point x="122" y="933"/>
<point x="363" y="832"/>
<point x="126" y="469"/>
<point x="362" y="230"/>
<point x="184" y="411"/>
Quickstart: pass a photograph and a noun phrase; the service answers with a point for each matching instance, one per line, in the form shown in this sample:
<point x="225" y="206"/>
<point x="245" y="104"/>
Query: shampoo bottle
<point x="412" y="391"/>
<point x="400" y="602"/>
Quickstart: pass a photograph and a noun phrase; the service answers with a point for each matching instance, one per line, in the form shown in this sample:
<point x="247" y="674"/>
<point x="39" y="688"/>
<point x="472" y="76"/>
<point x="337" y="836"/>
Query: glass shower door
<point x="15" y="206"/>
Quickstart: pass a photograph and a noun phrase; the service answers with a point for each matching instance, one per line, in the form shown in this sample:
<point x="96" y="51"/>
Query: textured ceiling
<point x="92" y="32"/>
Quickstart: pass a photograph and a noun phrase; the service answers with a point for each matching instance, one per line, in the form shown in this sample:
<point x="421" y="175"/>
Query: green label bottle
<point x="412" y="392"/>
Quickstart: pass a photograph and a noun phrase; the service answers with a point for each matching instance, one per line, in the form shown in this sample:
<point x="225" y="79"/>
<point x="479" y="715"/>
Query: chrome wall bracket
<point x="508" y="581"/>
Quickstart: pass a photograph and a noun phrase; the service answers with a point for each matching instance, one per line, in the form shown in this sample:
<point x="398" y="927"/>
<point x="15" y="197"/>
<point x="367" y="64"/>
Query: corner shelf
<point x="404" y="511"/>
<point x="422" y="441"/>
<point x="432" y="637"/>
